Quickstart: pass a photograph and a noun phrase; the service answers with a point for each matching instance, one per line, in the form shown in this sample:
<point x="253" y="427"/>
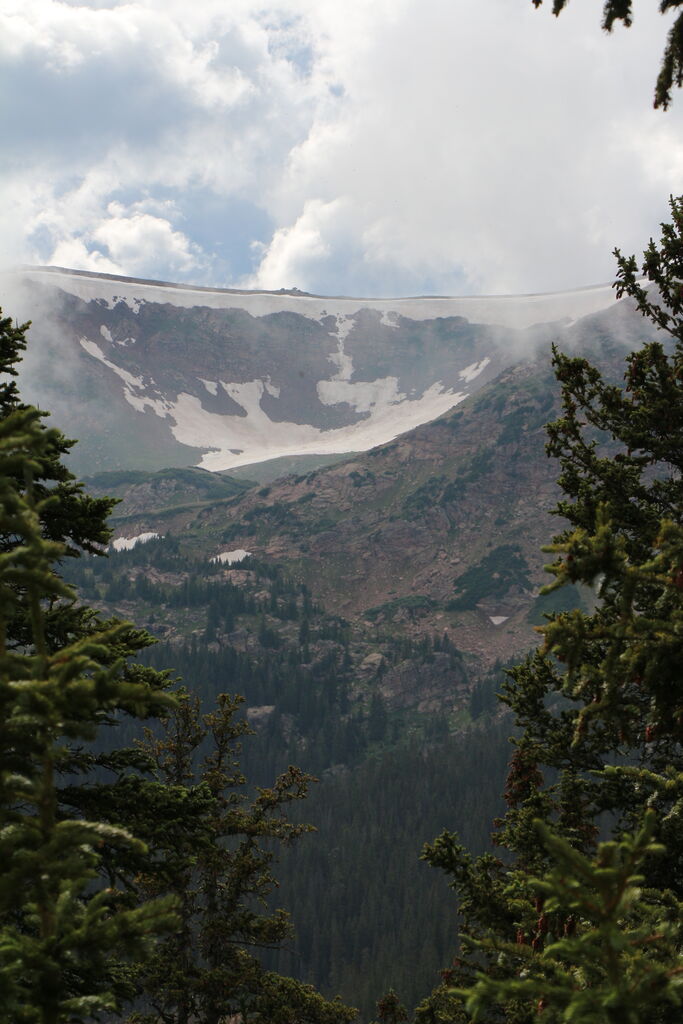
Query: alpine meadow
<point x="296" y="726"/>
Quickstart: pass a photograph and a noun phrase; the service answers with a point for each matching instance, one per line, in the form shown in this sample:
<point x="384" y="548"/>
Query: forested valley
<point x="388" y="781"/>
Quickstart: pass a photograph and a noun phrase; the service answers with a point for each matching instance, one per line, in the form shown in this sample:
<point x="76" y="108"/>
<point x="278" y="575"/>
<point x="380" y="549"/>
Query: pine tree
<point x="600" y="708"/>
<point x="214" y="854"/>
<point x="63" y="938"/>
<point x="103" y="851"/>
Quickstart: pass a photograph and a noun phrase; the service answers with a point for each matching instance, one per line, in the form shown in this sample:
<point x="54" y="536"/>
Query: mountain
<point x="363" y="608"/>
<point x="439" y="530"/>
<point x="149" y="375"/>
<point x="431" y="512"/>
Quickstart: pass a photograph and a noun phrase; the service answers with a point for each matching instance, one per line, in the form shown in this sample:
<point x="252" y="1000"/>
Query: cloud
<point x="294" y="252"/>
<point x="139" y="239"/>
<point x="479" y="152"/>
<point x="400" y="147"/>
<point x="130" y="242"/>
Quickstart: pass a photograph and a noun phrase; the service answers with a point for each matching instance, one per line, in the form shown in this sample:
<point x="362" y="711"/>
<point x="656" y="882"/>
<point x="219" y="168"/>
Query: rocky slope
<point x="439" y="530"/>
<point x="150" y="375"/>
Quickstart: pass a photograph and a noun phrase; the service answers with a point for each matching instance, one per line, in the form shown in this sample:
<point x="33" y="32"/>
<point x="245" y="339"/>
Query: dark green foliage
<point x="527" y="416"/>
<point x="609" y="952"/>
<point x="452" y="421"/>
<point x="180" y="484"/>
<point x="368" y="915"/>
<point x="104" y="847"/>
<point x="423" y="498"/>
<point x="377" y="719"/>
<point x="476" y="468"/>
<point x="495" y="574"/>
<point x="63" y="941"/>
<point x="71" y="517"/>
<point x="484" y="697"/>
<point x="671" y="71"/>
<point x="360" y="479"/>
<point x="390" y="1010"/>
<point x="215" y="859"/>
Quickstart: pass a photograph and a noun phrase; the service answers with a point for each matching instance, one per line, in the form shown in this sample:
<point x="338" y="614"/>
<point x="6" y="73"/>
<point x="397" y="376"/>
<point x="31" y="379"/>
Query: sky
<point x="392" y="148"/>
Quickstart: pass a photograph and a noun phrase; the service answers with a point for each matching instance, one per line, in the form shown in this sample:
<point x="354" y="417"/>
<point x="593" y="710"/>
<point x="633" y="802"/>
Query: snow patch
<point x="96" y="352"/>
<point x="210" y="385"/>
<point x="474" y="369"/>
<point x="161" y="406"/>
<point x="254" y="437"/>
<point x="128" y="543"/>
<point x="340" y="359"/>
<point x="498" y="620"/>
<point x="362" y="396"/>
<point x="130" y="301"/>
<point x="231" y="557"/>
<point x="260" y="439"/>
<point x="248" y="395"/>
<point x="106" y="334"/>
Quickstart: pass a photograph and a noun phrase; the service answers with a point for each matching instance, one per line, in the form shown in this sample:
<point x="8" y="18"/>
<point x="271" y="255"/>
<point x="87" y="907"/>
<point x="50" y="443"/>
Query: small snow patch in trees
<point x="498" y="620"/>
<point x="231" y="557"/>
<point x="128" y="543"/>
<point x="106" y="333"/>
<point x="210" y="385"/>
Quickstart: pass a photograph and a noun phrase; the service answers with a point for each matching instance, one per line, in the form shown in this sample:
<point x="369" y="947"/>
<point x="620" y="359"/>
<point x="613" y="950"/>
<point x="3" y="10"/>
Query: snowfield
<point x="367" y="412"/>
<point x="254" y="437"/>
<point x="128" y="543"/>
<point x="231" y="557"/>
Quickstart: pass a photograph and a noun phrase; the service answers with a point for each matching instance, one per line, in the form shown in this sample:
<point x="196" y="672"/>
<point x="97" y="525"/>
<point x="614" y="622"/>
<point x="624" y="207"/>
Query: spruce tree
<point x="63" y="938"/>
<point x="68" y="522"/>
<point x="214" y="854"/>
<point x="103" y="848"/>
<point x="567" y="927"/>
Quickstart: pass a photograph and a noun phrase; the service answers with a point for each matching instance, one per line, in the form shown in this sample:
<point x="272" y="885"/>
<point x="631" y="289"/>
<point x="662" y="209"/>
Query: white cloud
<point x="479" y="146"/>
<point x="295" y="252"/>
<point x="138" y="240"/>
<point x="74" y="254"/>
<point x="399" y="146"/>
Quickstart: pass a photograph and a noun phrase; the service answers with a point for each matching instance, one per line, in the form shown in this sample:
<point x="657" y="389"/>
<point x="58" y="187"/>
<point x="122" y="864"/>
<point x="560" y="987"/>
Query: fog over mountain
<point x="148" y="375"/>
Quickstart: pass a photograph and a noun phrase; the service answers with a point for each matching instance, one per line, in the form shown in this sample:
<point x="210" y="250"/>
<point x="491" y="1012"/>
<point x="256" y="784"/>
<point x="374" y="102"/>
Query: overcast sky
<point x="391" y="147"/>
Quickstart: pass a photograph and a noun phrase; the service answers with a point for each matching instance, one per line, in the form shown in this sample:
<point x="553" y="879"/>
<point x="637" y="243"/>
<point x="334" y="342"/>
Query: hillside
<point x="150" y="375"/>
<point x="438" y="530"/>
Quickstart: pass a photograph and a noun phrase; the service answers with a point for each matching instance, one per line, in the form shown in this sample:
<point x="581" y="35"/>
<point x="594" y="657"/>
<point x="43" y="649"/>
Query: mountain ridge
<point x="150" y="375"/>
<point x="438" y="530"/>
